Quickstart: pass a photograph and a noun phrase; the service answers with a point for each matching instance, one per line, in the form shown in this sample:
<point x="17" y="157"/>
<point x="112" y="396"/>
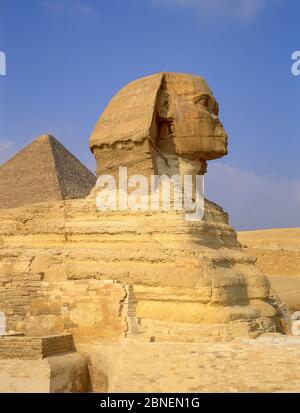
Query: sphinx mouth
<point x="223" y="137"/>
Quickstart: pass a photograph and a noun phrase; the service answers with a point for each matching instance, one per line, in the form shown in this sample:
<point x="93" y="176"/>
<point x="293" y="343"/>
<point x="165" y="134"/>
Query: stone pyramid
<point x="43" y="171"/>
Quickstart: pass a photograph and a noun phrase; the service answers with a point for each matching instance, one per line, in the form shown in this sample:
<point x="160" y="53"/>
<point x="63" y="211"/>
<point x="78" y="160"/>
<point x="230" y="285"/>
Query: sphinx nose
<point x="217" y="120"/>
<point x="219" y="123"/>
<point x="219" y="127"/>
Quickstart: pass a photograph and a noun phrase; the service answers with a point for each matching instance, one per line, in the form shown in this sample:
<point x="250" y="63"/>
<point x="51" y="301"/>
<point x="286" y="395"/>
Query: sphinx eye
<point x="216" y="108"/>
<point x="204" y="100"/>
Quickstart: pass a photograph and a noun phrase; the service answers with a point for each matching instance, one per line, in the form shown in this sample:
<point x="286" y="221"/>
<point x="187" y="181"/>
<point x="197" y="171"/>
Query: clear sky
<point x="66" y="59"/>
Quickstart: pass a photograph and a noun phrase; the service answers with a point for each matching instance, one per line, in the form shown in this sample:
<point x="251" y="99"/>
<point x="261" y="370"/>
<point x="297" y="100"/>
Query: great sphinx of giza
<point x="168" y="123"/>
<point x="68" y="267"/>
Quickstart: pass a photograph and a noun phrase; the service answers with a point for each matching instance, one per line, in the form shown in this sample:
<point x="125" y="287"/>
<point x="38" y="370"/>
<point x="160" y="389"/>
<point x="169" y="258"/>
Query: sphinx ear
<point x="163" y="106"/>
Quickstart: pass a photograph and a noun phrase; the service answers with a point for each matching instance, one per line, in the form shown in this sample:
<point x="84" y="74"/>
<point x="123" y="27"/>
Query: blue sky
<point x="66" y="58"/>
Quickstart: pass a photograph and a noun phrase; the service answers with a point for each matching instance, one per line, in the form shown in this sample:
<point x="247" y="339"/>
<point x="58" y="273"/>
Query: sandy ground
<point x="288" y="288"/>
<point x="278" y="255"/>
<point x="288" y="238"/>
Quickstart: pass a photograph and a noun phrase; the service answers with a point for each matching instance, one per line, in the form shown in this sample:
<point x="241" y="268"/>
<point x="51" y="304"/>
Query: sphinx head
<point x="166" y="123"/>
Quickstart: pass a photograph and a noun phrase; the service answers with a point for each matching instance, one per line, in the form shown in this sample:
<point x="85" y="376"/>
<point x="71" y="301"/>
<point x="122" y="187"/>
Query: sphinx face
<point x="193" y="127"/>
<point x="199" y="132"/>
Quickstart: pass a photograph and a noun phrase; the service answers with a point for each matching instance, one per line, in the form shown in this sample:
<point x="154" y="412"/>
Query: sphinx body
<point x="68" y="267"/>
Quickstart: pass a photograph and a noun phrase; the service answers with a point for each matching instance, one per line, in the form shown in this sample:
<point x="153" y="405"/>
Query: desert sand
<point x="278" y="255"/>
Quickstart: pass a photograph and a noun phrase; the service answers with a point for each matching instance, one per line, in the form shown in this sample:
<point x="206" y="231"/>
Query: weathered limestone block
<point x="41" y="364"/>
<point x="32" y="348"/>
<point x="64" y="373"/>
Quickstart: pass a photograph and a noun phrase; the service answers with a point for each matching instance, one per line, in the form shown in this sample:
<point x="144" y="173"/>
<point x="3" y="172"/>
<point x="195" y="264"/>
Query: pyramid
<point x="43" y="171"/>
